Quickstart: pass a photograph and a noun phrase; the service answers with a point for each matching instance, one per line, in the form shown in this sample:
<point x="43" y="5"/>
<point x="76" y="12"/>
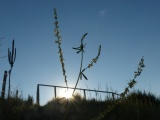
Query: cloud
<point x="103" y="12"/>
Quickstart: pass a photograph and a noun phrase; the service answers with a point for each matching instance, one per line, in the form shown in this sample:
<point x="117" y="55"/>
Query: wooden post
<point x="55" y="93"/>
<point x="4" y="85"/>
<point x="38" y="94"/>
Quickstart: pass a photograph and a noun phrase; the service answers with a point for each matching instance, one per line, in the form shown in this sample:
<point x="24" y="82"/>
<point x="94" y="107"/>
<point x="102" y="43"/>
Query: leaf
<point x="84" y="76"/>
<point x="78" y="51"/>
<point x="76" y="48"/>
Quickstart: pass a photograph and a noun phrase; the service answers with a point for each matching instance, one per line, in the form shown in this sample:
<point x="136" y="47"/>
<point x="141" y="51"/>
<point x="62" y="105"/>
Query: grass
<point x="138" y="105"/>
<point x="15" y="108"/>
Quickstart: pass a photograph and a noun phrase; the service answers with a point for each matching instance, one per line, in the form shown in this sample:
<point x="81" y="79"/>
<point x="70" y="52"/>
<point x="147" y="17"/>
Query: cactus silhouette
<point x="11" y="59"/>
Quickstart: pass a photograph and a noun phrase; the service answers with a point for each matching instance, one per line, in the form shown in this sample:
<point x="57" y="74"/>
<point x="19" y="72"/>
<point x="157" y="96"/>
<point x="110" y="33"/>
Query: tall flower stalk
<point x="80" y="49"/>
<point x="58" y="42"/>
<point x="131" y="84"/>
<point x="137" y="73"/>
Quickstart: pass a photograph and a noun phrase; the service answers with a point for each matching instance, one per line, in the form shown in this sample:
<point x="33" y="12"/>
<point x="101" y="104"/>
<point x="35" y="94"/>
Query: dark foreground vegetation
<point x="136" y="106"/>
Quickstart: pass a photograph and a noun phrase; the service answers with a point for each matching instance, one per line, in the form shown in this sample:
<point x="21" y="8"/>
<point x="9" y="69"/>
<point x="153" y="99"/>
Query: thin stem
<point x="79" y="72"/>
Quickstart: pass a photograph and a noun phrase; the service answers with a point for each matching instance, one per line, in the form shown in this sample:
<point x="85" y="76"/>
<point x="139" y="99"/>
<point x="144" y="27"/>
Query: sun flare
<point x="67" y="94"/>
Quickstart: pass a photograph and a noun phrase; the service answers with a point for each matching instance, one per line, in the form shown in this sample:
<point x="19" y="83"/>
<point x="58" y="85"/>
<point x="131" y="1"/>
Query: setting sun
<point x="66" y="93"/>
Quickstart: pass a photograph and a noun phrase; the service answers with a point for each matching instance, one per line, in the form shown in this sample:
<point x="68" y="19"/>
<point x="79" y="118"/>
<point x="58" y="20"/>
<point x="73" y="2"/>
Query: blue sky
<point x="126" y="29"/>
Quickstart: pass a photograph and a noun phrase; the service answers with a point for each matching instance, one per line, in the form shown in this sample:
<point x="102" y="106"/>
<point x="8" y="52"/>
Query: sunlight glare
<point x="67" y="94"/>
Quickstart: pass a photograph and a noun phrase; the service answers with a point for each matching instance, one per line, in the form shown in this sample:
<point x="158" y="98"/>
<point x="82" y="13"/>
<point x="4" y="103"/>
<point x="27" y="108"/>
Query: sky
<point x="126" y="30"/>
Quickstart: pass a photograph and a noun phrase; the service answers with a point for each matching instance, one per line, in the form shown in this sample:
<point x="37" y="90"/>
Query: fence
<point x="84" y="91"/>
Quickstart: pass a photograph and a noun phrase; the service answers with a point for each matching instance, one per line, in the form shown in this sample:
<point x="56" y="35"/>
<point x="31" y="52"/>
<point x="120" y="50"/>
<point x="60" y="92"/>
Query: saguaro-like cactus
<point x="11" y="59"/>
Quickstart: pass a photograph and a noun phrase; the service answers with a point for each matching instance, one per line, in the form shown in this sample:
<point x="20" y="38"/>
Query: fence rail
<point x="55" y="92"/>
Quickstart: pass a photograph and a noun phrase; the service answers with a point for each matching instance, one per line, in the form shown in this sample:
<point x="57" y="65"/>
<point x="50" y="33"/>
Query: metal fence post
<point x="84" y="94"/>
<point x="38" y="94"/>
<point x="55" y="91"/>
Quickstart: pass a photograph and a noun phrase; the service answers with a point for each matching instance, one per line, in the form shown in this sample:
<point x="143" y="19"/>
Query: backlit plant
<point x="79" y="49"/>
<point x="59" y="41"/>
<point x="131" y="84"/>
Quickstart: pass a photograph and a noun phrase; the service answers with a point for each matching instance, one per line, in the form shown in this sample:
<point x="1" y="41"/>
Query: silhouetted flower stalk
<point x="80" y="49"/>
<point x="131" y="84"/>
<point x="59" y="41"/>
<point x="11" y="59"/>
